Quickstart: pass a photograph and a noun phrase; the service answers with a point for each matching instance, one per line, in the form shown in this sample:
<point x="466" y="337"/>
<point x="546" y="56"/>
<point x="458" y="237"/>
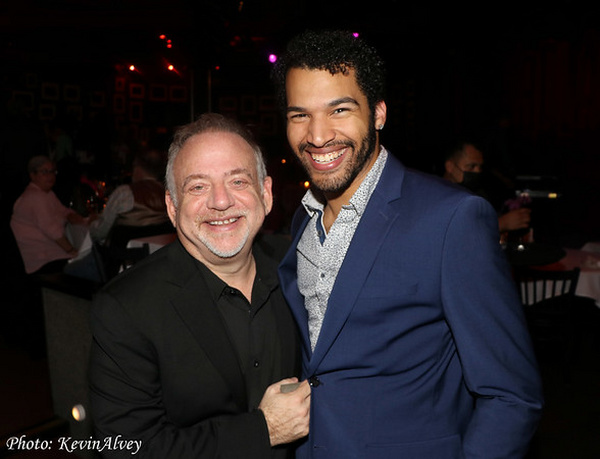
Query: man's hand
<point x="515" y="219"/>
<point x="287" y="414"/>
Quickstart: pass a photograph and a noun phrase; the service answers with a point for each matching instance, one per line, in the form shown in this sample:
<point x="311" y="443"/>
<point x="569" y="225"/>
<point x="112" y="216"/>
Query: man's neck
<point x="335" y="201"/>
<point x="237" y="273"/>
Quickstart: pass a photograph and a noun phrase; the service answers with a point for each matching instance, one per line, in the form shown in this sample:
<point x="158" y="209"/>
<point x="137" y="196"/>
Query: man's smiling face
<point x="331" y="128"/>
<point x="220" y="204"/>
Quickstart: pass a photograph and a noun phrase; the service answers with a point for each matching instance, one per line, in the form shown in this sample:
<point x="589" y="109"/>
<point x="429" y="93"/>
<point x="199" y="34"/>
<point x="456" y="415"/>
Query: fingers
<point x="304" y="389"/>
<point x="286" y="412"/>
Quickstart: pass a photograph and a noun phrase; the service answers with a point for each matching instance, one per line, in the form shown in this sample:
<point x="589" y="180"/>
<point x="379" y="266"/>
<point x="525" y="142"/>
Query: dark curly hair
<point x="334" y="51"/>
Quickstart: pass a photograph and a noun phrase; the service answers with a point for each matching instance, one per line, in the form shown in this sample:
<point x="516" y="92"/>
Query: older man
<point x="193" y="345"/>
<point x="39" y="220"/>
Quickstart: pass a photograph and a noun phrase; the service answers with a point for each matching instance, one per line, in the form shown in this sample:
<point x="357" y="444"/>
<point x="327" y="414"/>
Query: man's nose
<point x="220" y="197"/>
<point x="320" y="132"/>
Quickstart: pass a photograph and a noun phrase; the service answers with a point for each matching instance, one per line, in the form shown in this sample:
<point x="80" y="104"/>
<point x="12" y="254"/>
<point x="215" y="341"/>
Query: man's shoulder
<point x="411" y="180"/>
<point x="272" y="246"/>
<point x="33" y="194"/>
<point x="148" y="277"/>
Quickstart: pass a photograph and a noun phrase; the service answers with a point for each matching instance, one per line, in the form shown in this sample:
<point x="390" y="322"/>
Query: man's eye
<point x="196" y="189"/>
<point x="297" y="116"/>
<point x="341" y="110"/>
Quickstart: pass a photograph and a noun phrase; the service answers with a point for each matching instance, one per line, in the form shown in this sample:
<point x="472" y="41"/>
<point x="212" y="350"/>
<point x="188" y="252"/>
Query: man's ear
<point x="171" y="209"/>
<point x="380" y="115"/>
<point x="268" y="194"/>
<point x="449" y="166"/>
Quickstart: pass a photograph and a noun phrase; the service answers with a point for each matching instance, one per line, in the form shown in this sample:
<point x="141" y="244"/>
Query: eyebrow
<point x="331" y="104"/>
<point x="240" y="170"/>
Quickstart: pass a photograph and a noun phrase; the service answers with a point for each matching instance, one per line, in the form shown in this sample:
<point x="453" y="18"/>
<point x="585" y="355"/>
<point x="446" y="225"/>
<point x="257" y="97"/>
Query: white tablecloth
<point x="154" y="242"/>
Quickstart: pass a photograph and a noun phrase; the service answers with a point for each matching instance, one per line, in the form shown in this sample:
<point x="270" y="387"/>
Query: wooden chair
<point x="549" y="302"/>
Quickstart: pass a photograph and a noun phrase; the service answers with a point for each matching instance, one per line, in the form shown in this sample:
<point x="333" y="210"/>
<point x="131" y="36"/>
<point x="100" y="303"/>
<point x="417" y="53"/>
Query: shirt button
<point x="256" y="364"/>
<point x="322" y="275"/>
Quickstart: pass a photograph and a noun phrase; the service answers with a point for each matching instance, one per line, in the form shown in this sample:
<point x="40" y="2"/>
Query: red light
<point x="171" y="67"/>
<point x="162" y="36"/>
<point x="132" y="68"/>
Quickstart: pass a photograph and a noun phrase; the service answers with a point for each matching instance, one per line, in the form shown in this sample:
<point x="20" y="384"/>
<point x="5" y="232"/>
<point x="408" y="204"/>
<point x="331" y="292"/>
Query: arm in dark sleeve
<point x="485" y="315"/>
<point x="127" y="399"/>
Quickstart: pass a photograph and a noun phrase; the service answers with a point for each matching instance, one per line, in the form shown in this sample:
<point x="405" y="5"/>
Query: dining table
<point x="154" y="242"/>
<point x="532" y="254"/>
<point x="587" y="259"/>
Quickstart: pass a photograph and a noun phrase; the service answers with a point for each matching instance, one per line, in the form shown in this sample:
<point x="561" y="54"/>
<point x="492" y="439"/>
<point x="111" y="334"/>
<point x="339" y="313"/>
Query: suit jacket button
<point x="313" y="381"/>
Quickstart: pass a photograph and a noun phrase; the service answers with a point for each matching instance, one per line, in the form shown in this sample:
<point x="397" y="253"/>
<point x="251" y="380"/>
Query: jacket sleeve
<point x="485" y="315"/>
<point x="127" y="402"/>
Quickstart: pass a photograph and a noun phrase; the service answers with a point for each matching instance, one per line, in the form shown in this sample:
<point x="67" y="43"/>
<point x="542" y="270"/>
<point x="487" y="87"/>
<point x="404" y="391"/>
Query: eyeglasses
<point x="47" y="171"/>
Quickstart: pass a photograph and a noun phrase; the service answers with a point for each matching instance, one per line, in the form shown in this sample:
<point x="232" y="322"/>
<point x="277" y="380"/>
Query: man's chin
<point x="223" y="250"/>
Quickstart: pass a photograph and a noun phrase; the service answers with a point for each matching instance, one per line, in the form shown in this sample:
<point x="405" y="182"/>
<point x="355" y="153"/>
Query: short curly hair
<point x="335" y="51"/>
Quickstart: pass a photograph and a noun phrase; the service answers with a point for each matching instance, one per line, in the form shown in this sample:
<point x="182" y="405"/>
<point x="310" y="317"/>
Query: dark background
<point x="522" y="79"/>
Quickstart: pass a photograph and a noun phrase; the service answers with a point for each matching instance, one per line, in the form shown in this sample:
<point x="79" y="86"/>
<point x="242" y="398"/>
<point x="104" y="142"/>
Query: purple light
<point x="355" y="34"/>
<point x="272" y="58"/>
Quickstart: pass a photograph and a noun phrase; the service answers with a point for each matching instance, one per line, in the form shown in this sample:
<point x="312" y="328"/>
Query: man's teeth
<point x="328" y="157"/>
<point x="223" y="222"/>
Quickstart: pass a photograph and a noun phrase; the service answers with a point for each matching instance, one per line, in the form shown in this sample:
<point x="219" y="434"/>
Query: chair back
<point x="537" y="285"/>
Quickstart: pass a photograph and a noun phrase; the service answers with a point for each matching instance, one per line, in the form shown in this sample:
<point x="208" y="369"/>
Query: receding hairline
<point x="252" y="171"/>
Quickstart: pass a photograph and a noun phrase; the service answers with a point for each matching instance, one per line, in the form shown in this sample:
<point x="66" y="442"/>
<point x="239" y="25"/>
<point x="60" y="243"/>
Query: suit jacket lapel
<point x="202" y="318"/>
<point x="374" y="225"/>
<point x="366" y="243"/>
<point x="289" y="285"/>
<point x="286" y="327"/>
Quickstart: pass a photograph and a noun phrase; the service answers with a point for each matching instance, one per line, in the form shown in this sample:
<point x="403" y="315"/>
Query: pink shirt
<point x="38" y="220"/>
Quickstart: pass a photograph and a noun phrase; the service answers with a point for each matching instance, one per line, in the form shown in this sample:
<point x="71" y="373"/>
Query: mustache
<point x="334" y="143"/>
<point x="215" y="216"/>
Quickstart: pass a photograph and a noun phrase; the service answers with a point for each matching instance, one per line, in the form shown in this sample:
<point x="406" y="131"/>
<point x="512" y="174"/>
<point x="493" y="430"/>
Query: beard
<point x="219" y="245"/>
<point x="338" y="181"/>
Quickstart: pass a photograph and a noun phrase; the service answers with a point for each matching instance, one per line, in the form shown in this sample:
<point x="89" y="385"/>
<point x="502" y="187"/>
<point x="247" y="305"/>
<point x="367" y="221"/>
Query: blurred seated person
<point x="464" y="165"/>
<point x="136" y="205"/>
<point x="140" y="203"/>
<point x="39" y="220"/>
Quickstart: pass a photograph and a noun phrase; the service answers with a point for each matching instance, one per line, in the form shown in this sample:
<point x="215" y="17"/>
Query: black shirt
<point x="251" y="325"/>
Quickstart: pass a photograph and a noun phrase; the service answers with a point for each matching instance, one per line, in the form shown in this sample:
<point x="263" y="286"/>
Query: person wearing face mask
<point x="464" y="166"/>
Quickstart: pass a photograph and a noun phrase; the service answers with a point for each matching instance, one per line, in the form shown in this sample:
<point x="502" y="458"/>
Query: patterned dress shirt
<point x="320" y="255"/>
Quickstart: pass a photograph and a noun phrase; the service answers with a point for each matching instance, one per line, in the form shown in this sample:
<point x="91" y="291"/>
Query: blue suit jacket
<point x="423" y="352"/>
